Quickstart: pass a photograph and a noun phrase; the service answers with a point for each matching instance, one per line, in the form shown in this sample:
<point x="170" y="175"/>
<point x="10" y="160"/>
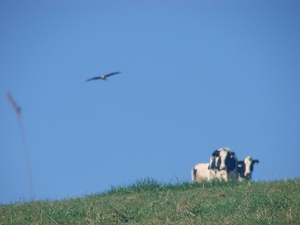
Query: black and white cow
<point x="245" y="168"/>
<point x="226" y="163"/>
<point x="222" y="166"/>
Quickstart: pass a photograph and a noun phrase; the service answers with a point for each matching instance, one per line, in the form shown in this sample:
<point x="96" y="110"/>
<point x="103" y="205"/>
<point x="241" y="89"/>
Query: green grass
<point x="150" y="202"/>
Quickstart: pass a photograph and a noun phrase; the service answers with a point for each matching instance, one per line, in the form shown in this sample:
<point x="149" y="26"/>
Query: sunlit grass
<point x="150" y="202"/>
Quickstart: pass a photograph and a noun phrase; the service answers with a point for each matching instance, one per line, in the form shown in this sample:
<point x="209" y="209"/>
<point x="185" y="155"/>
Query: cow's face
<point x="227" y="160"/>
<point x="223" y="159"/>
<point x="245" y="168"/>
<point x="248" y="166"/>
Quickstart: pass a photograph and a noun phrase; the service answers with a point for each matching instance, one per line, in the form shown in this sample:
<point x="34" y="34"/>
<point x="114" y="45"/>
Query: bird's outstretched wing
<point x="94" y="78"/>
<point x="110" y="74"/>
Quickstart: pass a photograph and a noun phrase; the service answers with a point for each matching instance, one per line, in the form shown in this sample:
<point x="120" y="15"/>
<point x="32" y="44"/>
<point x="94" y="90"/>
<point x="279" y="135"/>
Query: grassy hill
<point x="149" y="202"/>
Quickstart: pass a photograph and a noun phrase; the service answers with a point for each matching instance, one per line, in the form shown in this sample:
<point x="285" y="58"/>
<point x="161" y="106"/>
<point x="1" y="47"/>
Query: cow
<point x="226" y="163"/>
<point x="222" y="166"/>
<point x="245" y="168"/>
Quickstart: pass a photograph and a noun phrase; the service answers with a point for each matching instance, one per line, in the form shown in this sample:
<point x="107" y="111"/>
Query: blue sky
<point x="195" y="76"/>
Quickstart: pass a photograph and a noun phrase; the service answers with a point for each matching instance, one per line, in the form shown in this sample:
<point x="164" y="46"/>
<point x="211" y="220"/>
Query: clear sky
<point x="195" y="76"/>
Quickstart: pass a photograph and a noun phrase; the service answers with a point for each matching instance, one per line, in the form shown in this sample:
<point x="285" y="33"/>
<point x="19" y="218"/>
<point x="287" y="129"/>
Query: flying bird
<point x="103" y="77"/>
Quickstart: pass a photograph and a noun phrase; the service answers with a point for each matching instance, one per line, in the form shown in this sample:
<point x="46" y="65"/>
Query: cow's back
<point x="200" y="172"/>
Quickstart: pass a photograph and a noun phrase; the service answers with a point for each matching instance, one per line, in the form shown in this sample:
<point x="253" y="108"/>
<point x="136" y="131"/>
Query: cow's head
<point x="227" y="160"/>
<point x="245" y="168"/>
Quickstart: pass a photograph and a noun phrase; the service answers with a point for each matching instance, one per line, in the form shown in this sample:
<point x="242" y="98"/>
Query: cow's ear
<point x="240" y="163"/>
<point x="216" y="153"/>
<point x="255" y="161"/>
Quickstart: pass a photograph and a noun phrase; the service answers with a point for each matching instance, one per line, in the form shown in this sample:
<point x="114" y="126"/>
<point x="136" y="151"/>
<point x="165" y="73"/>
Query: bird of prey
<point x="103" y="77"/>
